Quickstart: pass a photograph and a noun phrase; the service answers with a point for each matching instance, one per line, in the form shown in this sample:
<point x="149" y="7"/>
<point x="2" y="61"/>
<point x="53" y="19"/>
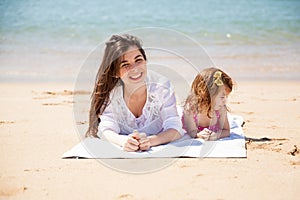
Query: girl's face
<point x="132" y="66"/>
<point x="220" y="99"/>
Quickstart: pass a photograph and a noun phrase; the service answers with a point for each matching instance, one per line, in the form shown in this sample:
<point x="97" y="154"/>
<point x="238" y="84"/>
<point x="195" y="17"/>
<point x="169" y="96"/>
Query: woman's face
<point x="132" y="68"/>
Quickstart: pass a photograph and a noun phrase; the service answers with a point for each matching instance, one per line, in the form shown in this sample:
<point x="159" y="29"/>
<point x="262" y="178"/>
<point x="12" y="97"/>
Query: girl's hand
<point x="204" y="134"/>
<point x="213" y="136"/>
<point x="208" y="135"/>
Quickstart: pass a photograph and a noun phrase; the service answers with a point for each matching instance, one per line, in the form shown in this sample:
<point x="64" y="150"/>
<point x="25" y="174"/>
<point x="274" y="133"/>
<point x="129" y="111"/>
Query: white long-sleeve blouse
<point x="159" y="112"/>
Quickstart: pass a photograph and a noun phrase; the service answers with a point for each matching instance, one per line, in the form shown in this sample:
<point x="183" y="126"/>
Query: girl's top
<point x="215" y="128"/>
<point x="159" y="112"/>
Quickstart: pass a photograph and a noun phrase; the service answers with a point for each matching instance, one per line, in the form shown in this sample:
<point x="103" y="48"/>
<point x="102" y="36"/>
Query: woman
<point x="136" y="109"/>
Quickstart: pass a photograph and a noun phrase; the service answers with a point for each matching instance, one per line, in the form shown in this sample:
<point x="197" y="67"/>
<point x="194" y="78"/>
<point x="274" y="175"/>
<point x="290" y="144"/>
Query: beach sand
<point x="37" y="126"/>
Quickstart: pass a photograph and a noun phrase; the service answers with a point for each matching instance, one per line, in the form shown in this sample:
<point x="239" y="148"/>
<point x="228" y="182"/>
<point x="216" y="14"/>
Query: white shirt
<point x="159" y="112"/>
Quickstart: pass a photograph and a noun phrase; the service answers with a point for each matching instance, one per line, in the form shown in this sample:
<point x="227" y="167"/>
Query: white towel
<point x="233" y="147"/>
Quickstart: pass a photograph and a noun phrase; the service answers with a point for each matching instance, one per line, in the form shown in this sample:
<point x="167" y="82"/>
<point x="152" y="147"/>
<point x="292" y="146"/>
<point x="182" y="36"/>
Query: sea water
<point x="42" y="40"/>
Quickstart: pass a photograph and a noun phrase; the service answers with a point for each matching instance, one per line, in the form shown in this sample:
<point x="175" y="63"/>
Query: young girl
<point x="205" y="111"/>
<point x="131" y="106"/>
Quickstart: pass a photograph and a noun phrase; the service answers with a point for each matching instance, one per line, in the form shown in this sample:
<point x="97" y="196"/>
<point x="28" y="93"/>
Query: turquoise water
<point x="38" y="33"/>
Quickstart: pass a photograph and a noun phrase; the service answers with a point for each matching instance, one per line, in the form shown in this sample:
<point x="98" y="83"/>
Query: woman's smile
<point x="136" y="76"/>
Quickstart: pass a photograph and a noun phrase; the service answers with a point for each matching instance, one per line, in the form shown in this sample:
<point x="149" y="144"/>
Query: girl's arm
<point x="189" y="124"/>
<point x="224" y="126"/>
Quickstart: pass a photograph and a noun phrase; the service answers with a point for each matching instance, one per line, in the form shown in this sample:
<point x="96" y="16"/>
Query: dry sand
<point x="37" y="126"/>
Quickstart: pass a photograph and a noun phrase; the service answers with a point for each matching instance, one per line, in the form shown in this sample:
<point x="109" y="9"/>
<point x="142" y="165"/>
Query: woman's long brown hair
<point x="107" y="77"/>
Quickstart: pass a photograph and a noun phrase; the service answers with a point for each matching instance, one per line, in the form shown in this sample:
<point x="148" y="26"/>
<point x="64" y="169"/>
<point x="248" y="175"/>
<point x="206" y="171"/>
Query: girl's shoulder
<point x="191" y="104"/>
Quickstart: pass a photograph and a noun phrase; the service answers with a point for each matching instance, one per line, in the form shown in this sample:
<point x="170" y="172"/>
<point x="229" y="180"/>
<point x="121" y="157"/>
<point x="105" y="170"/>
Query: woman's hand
<point x="137" y="142"/>
<point x="144" y="144"/>
<point x="131" y="143"/>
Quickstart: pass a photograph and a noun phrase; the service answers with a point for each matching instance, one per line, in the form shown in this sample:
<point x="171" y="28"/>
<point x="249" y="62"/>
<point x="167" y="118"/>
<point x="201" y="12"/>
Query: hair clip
<point x="217" y="77"/>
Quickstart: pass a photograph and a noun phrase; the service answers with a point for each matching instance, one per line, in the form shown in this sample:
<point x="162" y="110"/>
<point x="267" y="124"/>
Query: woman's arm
<point x="109" y="130"/>
<point x="127" y="142"/>
<point x="164" y="137"/>
<point x="172" y="126"/>
<point x="113" y="137"/>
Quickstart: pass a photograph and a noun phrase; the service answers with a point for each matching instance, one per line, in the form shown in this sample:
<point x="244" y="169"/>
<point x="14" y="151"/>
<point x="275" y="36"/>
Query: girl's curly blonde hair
<point x="204" y="88"/>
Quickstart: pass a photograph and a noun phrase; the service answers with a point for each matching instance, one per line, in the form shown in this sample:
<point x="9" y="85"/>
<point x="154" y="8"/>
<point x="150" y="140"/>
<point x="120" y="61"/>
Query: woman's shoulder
<point x="158" y="80"/>
<point x="156" y="77"/>
<point x="116" y="92"/>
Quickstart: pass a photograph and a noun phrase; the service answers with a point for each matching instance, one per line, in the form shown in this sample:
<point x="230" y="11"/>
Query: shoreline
<point x="244" y="62"/>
